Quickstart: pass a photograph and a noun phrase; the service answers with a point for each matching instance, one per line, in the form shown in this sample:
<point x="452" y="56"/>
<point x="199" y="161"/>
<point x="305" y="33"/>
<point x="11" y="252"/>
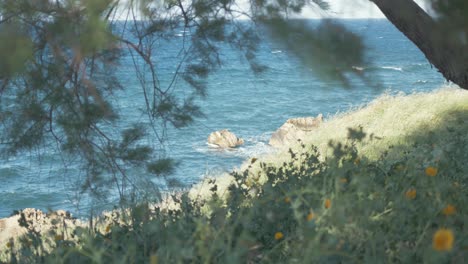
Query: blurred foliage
<point x="58" y="64"/>
<point x="16" y="50"/>
<point x="453" y="12"/>
<point x="452" y="17"/>
<point x="344" y="209"/>
<point x="440" y="33"/>
<point x="58" y="77"/>
<point x="330" y="50"/>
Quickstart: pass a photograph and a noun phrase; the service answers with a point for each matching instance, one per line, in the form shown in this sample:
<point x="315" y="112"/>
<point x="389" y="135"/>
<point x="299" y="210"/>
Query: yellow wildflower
<point x="287" y="200"/>
<point x="108" y="228"/>
<point x="327" y="203"/>
<point x="410" y="194"/>
<point x="443" y="240"/>
<point x="343" y="180"/>
<point x="153" y="259"/>
<point x="278" y="235"/>
<point x="431" y="171"/>
<point x="449" y="210"/>
<point x="310" y="216"/>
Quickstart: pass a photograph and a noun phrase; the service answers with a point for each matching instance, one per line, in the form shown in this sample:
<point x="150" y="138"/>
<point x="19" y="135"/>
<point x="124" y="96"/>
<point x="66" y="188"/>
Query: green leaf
<point x="162" y="166"/>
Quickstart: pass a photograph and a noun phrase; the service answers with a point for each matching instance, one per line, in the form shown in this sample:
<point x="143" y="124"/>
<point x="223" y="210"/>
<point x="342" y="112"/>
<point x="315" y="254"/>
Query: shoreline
<point x="373" y="116"/>
<point x="60" y="221"/>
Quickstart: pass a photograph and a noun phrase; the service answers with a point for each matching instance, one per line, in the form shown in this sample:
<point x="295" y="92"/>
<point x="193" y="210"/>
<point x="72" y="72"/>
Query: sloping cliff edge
<point x="390" y="118"/>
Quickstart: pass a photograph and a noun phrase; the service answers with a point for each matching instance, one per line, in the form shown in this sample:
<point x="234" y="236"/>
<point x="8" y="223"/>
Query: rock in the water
<point x="225" y="139"/>
<point x="294" y="129"/>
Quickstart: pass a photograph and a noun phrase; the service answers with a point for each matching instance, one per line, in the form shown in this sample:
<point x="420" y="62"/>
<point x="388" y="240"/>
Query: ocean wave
<point x="253" y="146"/>
<point x="421" y="82"/>
<point x="255" y="150"/>
<point x="276" y="51"/>
<point x="13" y="170"/>
<point x="417" y="66"/>
<point x="182" y="33"/>
<point x="392" y="68"/>
<point x="358" y="68"/>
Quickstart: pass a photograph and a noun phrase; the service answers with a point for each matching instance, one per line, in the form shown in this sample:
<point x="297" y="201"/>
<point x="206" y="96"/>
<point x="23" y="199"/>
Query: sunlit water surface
<point x="250" y="106"/>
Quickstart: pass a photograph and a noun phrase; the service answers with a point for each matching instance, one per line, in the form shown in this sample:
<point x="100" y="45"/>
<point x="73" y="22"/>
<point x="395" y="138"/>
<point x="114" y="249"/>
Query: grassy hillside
<point x="384" y="183"/>
<point x="421" y="123"/>
<point x="396" y="120"/>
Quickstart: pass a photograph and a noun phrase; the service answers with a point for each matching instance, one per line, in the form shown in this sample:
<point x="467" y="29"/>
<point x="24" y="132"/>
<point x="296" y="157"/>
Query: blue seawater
<point x="250" y="106"/>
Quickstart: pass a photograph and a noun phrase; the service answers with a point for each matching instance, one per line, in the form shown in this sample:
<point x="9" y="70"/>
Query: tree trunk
<point x="435" y="40"/>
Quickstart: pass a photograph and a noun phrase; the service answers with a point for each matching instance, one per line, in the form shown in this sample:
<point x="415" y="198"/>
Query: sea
<point x="250" y="105"/>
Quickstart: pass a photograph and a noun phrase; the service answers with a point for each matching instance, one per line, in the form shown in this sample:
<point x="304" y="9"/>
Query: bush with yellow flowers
<point x="408" y="206"/>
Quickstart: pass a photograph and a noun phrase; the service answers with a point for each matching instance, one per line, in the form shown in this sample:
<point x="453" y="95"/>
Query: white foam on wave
<point x="254" y="150"/>
<point x="276" y="51"/>
<point x="253" y="147"/>
<point x="14" y="167"/>
<point x="421" y="81"/>
<point x="357" y="68"/>
<point x="392" y="68"/>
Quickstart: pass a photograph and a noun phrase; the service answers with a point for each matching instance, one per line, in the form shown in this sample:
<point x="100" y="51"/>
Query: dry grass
<point x="392" y="119"/>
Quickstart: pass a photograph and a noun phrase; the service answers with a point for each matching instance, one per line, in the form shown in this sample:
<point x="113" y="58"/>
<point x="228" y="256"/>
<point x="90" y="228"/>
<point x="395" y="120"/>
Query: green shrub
<point x="340" y="209"/>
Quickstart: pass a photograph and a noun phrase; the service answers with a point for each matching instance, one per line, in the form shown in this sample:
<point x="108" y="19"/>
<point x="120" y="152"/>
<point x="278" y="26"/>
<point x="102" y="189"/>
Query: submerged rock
<point x="294" y="129"/>
<point x="225" y="139"/>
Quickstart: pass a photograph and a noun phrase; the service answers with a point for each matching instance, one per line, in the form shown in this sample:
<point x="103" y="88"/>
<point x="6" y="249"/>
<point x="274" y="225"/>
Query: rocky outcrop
<point x="224" y="139"/>
<point x="55" y="224"/>
<point x="294" y="129"/>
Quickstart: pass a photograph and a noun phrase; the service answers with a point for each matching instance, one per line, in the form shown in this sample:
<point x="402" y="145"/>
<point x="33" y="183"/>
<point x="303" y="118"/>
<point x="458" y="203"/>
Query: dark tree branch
<point x="432" y="38"/>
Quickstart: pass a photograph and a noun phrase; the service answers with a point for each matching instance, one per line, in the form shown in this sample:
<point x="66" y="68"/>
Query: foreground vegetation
<point x="386" y="183"/>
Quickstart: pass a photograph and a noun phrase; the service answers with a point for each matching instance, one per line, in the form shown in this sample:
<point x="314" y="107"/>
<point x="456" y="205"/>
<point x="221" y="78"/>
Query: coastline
<point x="376" y="117"/>
<point x="52" y="225"/>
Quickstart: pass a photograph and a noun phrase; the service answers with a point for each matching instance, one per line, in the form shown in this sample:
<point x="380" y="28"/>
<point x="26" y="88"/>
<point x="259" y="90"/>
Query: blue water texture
<point x="252" y="106"/>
